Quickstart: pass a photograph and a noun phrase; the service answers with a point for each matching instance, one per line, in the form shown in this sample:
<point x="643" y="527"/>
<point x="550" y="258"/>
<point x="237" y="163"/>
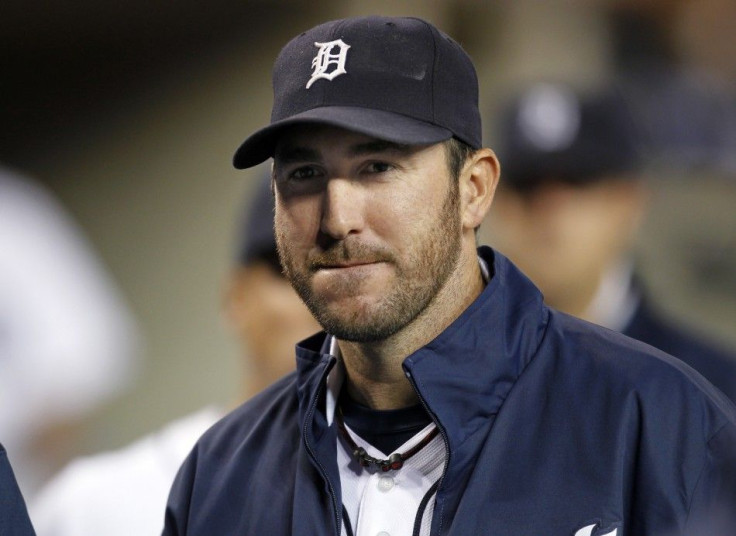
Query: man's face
<point x="368" y="231"/>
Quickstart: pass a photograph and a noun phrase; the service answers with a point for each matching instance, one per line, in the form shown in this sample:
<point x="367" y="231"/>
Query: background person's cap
<point x="551" y="133"/>
<point x="396" y="79"/>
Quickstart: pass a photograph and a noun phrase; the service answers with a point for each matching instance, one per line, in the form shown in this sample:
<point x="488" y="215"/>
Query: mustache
<point x="342" y="253"/>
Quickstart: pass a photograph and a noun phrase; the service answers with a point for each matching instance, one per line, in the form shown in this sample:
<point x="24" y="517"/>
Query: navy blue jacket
<point x="713" y="362"/>
<point x="551" y="425"/>
<point x="14" y="519"/>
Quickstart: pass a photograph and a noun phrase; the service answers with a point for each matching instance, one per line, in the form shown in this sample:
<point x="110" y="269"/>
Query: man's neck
<point x="374" y="377"/>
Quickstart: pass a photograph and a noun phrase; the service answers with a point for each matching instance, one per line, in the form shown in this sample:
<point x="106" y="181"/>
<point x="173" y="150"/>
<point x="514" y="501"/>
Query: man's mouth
<point x="349" y="258"/>
<point x="346" y="265"/>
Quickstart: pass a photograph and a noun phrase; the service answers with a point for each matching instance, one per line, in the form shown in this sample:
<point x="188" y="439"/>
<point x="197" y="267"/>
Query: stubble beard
<point x="418" y="279"/>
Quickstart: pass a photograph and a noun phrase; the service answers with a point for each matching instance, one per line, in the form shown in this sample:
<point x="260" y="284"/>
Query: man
<point x="123" y="492"/>
<point x="568" y="210"/>
<point x="14" y="519"/>
<point x="443" y="397"/>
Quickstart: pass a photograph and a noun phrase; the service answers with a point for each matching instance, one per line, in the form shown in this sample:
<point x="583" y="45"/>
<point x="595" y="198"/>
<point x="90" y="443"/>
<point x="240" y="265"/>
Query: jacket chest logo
<point x="588" y="531"/>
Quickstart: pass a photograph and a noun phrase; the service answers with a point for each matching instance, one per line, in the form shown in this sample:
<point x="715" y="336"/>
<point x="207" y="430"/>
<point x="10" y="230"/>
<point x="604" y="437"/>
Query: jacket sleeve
<point x="176" y="517"/>
<point x="14" y="520"/>
<point x="713" y="505"/>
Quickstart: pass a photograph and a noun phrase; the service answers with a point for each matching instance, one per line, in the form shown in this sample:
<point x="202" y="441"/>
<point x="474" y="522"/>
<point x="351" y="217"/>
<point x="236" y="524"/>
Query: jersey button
<point x="385" y="483"/>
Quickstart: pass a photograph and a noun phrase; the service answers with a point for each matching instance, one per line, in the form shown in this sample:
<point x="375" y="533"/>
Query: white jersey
<point x="123" y="492"/>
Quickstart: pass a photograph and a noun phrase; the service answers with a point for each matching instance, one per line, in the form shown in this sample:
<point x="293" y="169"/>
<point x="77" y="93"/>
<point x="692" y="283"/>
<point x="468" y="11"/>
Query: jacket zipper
<point x="443" y="434"/>
<point x="310" y="451"/>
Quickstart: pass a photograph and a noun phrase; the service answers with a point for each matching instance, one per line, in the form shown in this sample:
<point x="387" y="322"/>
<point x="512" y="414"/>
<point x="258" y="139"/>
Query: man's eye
<point x="379" y="167"/>
<point x="303" y="173"/>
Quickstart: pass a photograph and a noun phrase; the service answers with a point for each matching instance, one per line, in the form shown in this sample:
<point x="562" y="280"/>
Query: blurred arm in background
<point x="67" y="340"/>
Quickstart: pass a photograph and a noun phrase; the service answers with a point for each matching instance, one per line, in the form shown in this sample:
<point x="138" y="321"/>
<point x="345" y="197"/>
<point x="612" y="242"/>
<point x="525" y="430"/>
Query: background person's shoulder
<point x="655" y="376"/>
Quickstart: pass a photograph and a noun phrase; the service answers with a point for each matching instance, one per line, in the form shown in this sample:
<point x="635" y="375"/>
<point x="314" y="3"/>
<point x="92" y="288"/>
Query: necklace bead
<point x="394" y="462"/>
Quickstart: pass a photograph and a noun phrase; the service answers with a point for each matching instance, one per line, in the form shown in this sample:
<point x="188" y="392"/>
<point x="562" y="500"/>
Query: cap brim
<point x="383" y="125"/>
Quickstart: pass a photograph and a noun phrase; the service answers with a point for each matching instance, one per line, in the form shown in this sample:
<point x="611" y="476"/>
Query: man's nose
<point x="341" y="209"/>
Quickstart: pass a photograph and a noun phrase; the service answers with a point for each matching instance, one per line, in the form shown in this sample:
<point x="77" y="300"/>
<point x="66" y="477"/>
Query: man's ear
<point x="478" y="181"/>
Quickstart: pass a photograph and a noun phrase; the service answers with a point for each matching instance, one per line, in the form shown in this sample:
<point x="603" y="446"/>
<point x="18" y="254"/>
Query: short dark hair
<point x="457" y="153"/>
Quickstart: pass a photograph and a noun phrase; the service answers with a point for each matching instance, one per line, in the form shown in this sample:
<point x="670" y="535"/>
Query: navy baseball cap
<point x="553" y="133"/>
<point x="396" y="79"/>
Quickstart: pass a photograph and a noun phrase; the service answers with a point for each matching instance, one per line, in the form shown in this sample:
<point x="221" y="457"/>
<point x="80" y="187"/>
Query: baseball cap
<point x="397" y="79"/>
<point x="256" y="238"/>
<point x="553" y="133"/>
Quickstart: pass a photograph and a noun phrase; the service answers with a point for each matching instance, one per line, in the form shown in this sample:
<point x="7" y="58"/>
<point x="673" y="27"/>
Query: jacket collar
<point x="464" y="374"/>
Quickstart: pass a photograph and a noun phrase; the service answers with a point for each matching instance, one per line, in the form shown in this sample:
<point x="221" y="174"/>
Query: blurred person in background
<point x="571" y="201"/>
<point x="675" y="60"/>
<point x="68" y="342"/>
<point x="124" y="492"/>
<point x="14" y="519"/>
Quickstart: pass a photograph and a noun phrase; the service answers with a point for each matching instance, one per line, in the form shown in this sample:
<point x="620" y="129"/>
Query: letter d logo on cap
<point x="330" y="55"/>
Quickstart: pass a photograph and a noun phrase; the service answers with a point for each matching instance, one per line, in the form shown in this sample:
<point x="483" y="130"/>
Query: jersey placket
<point x="386" y="503"/>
